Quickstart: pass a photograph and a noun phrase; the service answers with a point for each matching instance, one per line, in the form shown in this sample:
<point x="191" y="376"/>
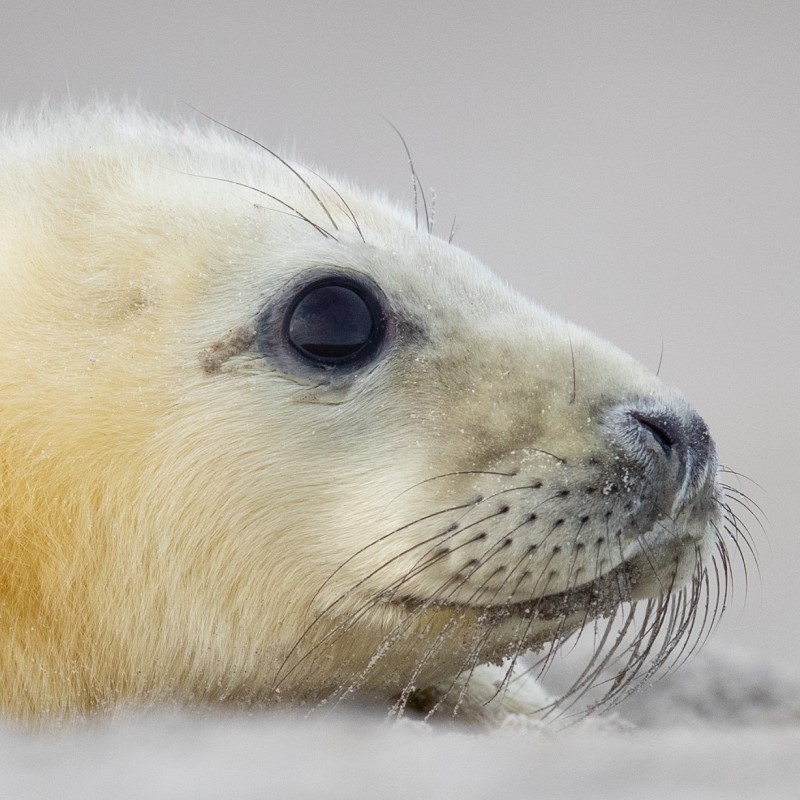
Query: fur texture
<point x="186" y="517"/>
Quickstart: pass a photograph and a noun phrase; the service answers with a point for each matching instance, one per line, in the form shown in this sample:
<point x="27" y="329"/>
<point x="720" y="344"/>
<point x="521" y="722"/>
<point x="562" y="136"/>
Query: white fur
<point x="170" y="531"/>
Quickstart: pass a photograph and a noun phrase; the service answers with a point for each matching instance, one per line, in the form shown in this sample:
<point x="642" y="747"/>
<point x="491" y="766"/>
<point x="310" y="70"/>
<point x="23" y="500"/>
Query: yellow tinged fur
<point x="171" y="521"/>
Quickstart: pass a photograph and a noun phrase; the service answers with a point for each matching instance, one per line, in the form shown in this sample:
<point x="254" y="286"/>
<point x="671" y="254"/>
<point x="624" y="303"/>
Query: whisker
<point x="279" y="677"/>
<point x="275" y="156"/>
<point x="728" y="471"/>
<point x="295" y="212"/>
<point x="450" y="475"/>
<point x="453" y="229"/>
<point x="419" y="193"/>
<point x="344" y="202"/>
<point x="660" y="358"/>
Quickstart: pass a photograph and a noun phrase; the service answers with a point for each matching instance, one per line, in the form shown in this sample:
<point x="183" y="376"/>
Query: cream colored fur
<point x="170" y="532"/>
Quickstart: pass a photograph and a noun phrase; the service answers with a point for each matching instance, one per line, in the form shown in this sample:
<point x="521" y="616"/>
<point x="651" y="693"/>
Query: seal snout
<point x="663" y="430"/>
<point x="671" y="446"/>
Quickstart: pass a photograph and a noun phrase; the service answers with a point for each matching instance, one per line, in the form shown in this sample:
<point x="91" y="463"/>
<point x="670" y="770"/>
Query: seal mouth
<point x="600" y="597"/>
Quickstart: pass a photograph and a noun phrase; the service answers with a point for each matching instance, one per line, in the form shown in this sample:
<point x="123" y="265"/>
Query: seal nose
<point x="670" y="443"/>
<point x="661" y="430"/>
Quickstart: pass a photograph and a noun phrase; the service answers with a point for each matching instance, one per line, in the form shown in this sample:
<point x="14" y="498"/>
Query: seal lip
<point x="272" y="336"/>
<point x="599" y="597"/>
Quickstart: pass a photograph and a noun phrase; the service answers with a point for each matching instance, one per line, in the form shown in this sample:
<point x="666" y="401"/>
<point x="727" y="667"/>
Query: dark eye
<point x="330" y="323"/>
<point x="327" y="320"/>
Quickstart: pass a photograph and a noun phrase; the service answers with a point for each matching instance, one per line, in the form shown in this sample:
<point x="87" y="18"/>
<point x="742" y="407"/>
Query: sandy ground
<point x="727" y="726"/>
<point x="258" y="757"/>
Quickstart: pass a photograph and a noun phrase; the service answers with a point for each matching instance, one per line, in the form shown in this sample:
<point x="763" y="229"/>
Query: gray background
<point x="634" y="166"/>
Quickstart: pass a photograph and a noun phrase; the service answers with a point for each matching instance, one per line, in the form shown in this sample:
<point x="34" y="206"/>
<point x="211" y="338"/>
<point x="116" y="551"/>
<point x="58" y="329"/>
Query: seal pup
<point x="266" y="439"/>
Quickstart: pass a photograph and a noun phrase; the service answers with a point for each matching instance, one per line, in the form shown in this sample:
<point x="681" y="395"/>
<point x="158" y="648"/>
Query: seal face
<point x="264" y="441"/>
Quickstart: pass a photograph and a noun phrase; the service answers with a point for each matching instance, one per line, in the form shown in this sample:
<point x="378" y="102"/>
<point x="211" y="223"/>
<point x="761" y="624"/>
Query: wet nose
<point x="656" y="431"/>
<point x="671" y="442"/>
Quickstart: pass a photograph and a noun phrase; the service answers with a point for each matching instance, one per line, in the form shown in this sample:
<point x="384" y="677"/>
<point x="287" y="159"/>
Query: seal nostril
<point x="657" y="429"/>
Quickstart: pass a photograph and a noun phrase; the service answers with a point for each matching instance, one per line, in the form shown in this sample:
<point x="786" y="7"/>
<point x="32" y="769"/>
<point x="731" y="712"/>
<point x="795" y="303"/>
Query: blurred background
<point x="634" y="166"/>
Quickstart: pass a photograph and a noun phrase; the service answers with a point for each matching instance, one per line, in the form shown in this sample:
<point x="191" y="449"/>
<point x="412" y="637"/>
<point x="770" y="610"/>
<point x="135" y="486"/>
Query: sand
<point x="727" y="726"/>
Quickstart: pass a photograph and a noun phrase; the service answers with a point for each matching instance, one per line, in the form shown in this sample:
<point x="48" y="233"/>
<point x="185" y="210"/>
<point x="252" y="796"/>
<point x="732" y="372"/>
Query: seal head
<point x="265" y="440"/>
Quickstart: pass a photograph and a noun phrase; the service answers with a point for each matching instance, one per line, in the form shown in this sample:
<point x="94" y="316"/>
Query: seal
<point x="267" y="439"/>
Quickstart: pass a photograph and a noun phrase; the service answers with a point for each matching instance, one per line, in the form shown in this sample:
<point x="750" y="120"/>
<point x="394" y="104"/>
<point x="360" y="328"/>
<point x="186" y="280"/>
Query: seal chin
<point x="668" y="558"/>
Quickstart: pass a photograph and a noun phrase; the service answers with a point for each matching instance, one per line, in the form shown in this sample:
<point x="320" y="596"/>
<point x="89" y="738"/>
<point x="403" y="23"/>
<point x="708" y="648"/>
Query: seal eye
<point x="329" y="320"/>
<point x="330" y="323"/>
<point x="325" y="325"/>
